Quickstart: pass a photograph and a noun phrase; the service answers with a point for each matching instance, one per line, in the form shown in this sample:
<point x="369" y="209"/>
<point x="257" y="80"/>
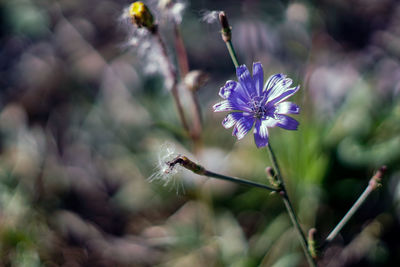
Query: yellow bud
<point x="141" y="15"/>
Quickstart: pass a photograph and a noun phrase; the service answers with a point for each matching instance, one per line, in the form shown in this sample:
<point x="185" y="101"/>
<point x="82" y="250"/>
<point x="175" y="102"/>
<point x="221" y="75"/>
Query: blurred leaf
<point x="232" y="243"/>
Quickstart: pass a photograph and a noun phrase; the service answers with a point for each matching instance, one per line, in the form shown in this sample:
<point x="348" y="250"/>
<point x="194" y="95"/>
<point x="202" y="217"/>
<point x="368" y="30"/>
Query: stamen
<point x="257" y="107"/>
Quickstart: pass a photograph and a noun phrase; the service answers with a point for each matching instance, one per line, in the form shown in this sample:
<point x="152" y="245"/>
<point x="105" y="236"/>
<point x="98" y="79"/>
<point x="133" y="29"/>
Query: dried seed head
<point x="164" y="4"/>
<point x="165" y="171"/>
<point x="172" y="10"/>
<point x="209" y="16"/>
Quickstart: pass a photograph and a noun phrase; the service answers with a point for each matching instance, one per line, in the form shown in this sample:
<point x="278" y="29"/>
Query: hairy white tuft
<point x="165" y="172"/>
<point x="209" y="16"/>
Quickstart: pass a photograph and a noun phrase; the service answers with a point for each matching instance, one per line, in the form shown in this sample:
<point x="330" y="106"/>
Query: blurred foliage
<point x="85" y="110"/>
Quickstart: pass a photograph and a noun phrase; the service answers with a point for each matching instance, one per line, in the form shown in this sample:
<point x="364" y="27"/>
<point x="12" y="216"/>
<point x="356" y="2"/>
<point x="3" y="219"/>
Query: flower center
<point x="260" y="109"/>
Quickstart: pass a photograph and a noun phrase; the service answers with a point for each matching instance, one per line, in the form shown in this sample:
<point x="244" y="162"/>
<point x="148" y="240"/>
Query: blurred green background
<point x="84" y="113"/>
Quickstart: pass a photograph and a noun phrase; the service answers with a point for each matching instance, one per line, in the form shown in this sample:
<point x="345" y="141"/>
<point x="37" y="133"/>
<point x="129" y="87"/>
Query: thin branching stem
<point x="184" y="69"/>
<point x="373" y="184"/>
<point x="181" y="51"/>
<point x="289" y="207"/>
<point x="173" y="76"/>
<point x="232" y="53"/>
<point x="226" y="36"/>
<point x="186" y="163"/>
<point x="238" y="180"/>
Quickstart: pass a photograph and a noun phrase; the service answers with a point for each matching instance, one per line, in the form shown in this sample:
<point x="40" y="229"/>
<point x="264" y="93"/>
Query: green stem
<point x="289" y="208"/>
<point x="226" y="36"/>
<point x="237" y="180"/>
<point x="374" y="182"/>
<point x="349" y="214"/>
<point x="186" y="163"/>
<point x="232" y="53"/>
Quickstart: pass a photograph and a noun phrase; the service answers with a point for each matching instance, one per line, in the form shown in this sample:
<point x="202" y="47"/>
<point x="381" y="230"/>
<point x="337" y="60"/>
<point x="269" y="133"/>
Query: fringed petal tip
<point x="261" y="133"/>
<point x="258" y="69"/>
<point x="287" y="108"/>
<point x="242" y="127"/>
<point x="258" y="77"/>
<point x="241" y="69"/>
<point x="280" y="96"/>
<point x="225" y="105"/>
<point x="287" y="123"/>
<point x="273" y="80"/>
<point x="226" y="90"/>
<point x="231" y="119"/>
<point x="217" y="107"/>
<point x="246" y="80"/>
<point x="261" y="143"/>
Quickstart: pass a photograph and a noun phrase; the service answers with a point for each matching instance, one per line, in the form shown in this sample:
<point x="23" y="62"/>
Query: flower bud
<point x="312" y="243"/>
<point x="226" y="32"/>
<point x="141" y="15"/>
<point x="195" y="79"/>
<point x="271" y="176"/>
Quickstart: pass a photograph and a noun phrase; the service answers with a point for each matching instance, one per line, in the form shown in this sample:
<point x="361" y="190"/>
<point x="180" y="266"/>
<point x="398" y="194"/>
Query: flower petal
<point x="232" y="89"/>
<point x="272" y="80"/>
<point x="258" y="77"/>
<point x="234" y="92"/>
<point x="243" y="126"/>
<point x="285" y="95"/>
<point x="287" y="108"/>
<point x="229" y="105"/>
<point x="226" y="90"/>
<point x="287" y="122"/>
<point x="261" y="133"/>
<point x="278" y="85"/>
<point x="231" y="119"/>
<point x="246" y="81"/>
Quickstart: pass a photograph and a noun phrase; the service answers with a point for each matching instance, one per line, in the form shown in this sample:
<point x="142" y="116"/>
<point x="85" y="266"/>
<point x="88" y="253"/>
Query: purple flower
<point x="251" y="104"/>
